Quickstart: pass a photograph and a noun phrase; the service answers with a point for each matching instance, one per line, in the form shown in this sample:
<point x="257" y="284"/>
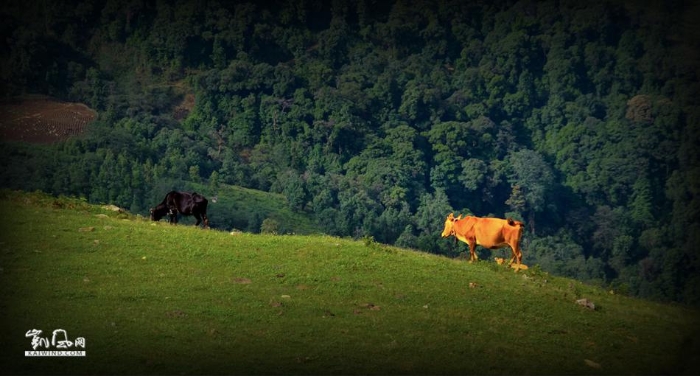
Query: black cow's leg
<point x="199" y="219"/>
<point x="172" y="213"/>
<point x="206" y="220"/>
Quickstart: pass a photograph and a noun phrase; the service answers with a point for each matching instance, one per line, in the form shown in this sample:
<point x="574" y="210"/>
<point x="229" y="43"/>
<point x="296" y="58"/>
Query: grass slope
<point x="245" y="209"/>
<point x="154" y="298"/>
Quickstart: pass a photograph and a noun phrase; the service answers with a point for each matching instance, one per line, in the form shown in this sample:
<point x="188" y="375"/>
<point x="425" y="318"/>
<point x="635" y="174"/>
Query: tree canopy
<point x="378" y="118"/>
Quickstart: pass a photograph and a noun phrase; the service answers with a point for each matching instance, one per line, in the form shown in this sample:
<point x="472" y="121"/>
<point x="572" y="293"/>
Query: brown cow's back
<point x="487" y="232"/>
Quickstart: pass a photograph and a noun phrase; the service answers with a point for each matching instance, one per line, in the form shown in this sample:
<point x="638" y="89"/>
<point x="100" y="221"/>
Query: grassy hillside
<point x="154" y="298"/>
<point x="245" y="209"/>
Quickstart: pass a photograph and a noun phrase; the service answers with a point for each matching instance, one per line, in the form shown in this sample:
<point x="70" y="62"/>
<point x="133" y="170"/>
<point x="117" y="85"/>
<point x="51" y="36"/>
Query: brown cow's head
<point x="449" y="223"/>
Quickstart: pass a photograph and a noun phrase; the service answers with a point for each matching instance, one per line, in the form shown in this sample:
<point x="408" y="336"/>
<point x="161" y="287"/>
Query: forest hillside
<point x="378" y="118"/>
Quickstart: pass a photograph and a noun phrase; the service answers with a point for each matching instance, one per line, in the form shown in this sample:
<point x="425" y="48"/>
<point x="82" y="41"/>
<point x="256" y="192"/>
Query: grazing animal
<point x="491" y="233"/>
<point x="184" y="203"/>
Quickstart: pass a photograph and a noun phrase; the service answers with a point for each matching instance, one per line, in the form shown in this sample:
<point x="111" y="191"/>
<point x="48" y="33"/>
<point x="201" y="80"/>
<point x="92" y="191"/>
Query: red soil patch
<point x="42" y="120"/>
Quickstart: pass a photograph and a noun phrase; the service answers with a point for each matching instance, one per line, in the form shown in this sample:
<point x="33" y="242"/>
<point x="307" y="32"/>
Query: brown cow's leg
<point x="513" y="258"/>
<point x="517" y="257"/>
<point x="472" y="252"/>
<point x="206" y="220"/>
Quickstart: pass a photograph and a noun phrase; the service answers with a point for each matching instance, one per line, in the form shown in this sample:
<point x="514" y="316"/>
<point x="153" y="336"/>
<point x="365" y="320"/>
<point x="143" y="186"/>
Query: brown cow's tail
<point x="517" y="224"/>
<point x="520" y="226"/>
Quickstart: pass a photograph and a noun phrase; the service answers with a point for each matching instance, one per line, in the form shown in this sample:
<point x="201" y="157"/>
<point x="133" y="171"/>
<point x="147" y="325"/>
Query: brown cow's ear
<point x="451" y="216"/>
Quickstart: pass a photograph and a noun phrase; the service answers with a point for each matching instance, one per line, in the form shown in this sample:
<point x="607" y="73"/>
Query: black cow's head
<point x="157" y="213"/>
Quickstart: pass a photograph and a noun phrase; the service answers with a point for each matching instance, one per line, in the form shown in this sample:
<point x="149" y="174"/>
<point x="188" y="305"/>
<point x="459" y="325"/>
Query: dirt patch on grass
<point x="242" y="281"/>
<point x="43" y="120"/>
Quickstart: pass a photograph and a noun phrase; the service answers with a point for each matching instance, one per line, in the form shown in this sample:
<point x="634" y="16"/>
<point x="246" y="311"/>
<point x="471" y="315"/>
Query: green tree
<point x="293" y="188"/>
<point x="534" y="179"/>
<point x="214" y="182"/>
<point x="430" y="219"/>
<point x="194" y="174"/>
<point x="269" y="226"/>
<point x="407" y="239"/>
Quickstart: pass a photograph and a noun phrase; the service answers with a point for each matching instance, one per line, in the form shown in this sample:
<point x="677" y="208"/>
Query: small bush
<point x="269" y="226"/>
<point x="368" y="241"/>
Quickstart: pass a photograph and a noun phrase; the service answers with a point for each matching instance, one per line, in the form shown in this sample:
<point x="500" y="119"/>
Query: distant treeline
<point x="379" y="118"/>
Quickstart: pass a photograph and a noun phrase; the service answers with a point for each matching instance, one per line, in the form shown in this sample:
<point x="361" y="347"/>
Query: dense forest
<point x="378" y="118"/>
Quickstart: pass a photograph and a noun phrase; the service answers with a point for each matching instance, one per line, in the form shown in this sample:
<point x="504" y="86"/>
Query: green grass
<point x="236" y="208"/>
<point x="151" y="298"/>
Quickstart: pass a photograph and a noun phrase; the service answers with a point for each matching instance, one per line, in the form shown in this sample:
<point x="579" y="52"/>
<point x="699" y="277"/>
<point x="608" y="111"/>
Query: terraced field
<point x="42" y="120"/>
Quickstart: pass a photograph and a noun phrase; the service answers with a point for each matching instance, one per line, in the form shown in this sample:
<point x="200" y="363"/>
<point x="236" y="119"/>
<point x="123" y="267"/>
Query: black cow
<point x="185" y="203"/>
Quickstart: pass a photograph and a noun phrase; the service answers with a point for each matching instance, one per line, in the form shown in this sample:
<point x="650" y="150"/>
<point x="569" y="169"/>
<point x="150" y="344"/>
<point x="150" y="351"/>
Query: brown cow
<point x="491" y="233"/>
